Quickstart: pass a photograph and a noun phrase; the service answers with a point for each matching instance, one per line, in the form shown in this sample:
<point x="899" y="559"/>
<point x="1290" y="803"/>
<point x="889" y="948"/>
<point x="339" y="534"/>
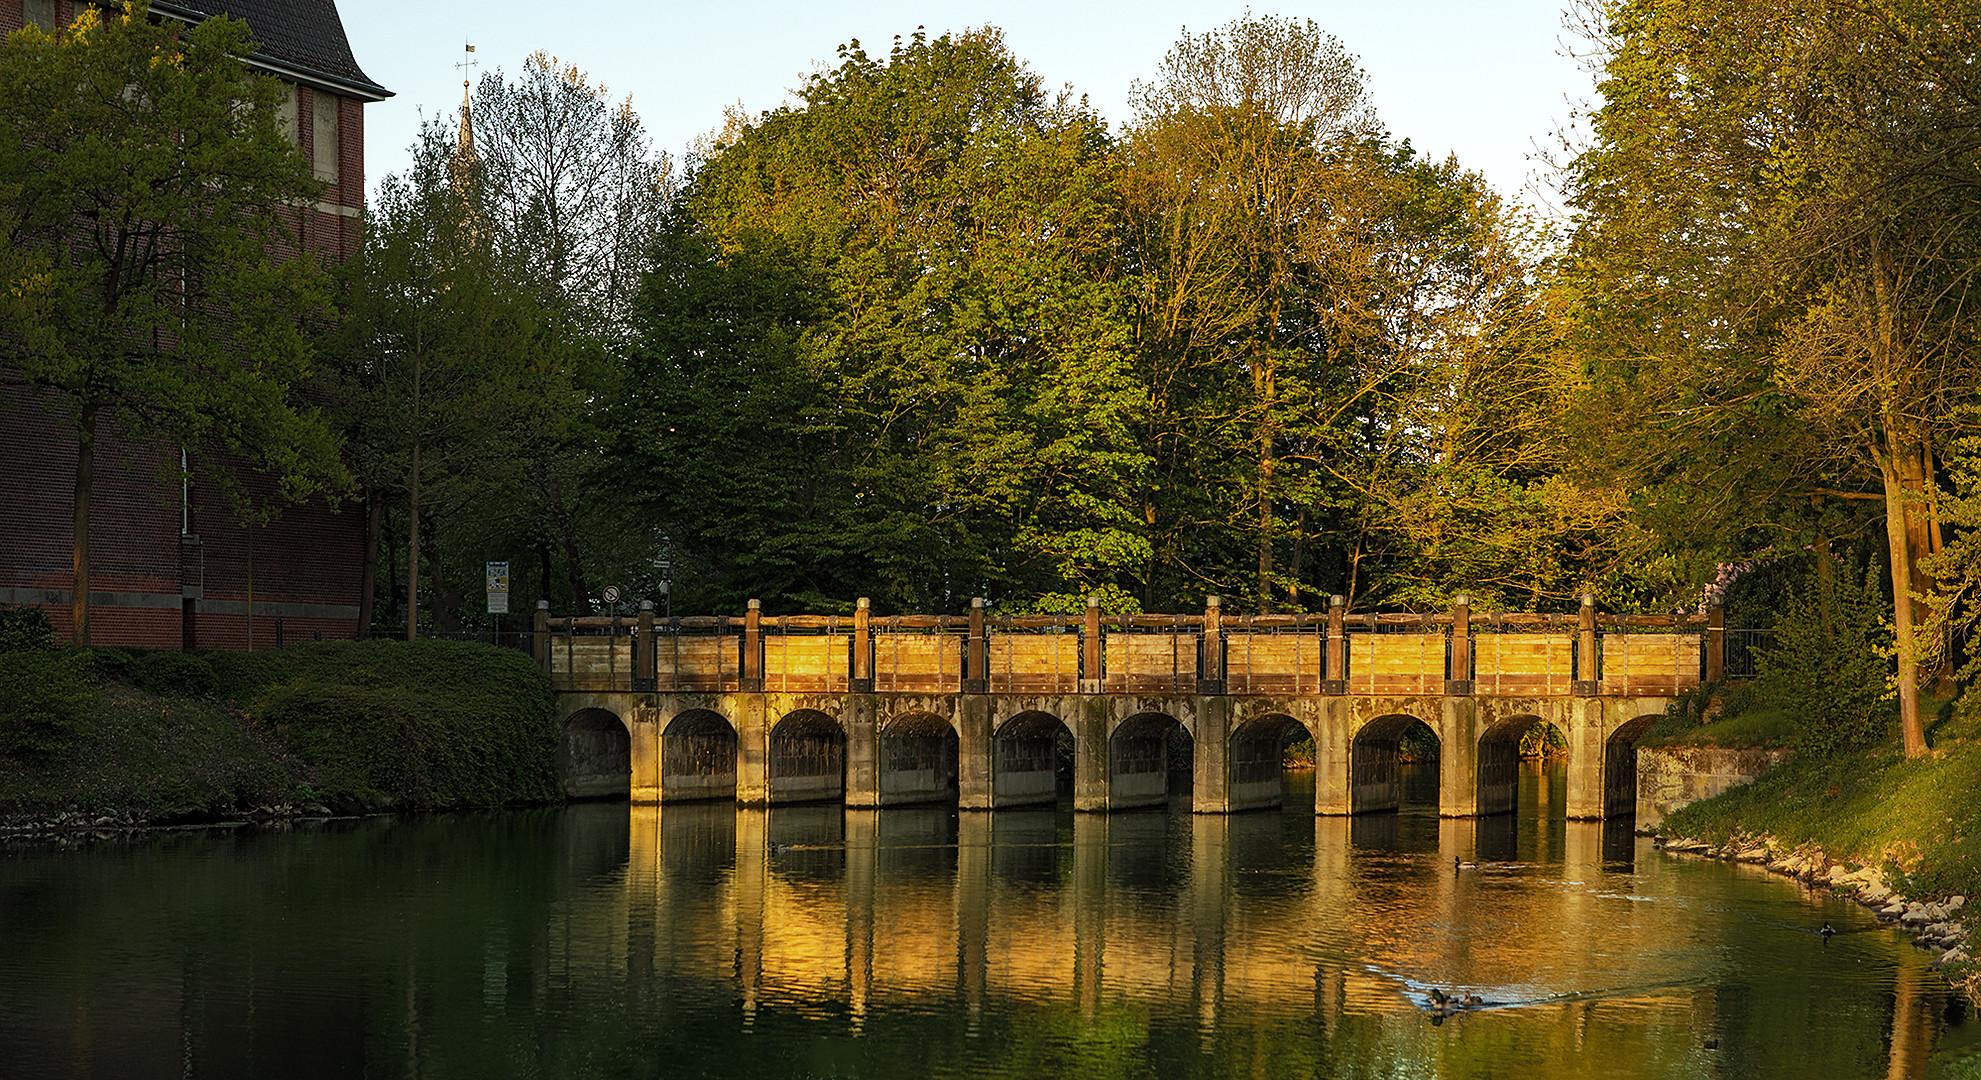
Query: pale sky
<point x="1484" y="80"/>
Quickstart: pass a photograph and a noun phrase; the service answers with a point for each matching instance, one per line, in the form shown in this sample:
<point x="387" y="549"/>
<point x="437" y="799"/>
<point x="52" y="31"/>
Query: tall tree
<point x="1777" y="242"/>
<point x="944" y="371"/>
<point x="448" y="359"/>
<point x="1308" y="287"/>
<point x="149" y="186"/>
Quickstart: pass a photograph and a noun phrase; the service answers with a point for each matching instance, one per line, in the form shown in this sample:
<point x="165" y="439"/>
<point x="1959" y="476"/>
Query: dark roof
<point x="300" y="38"/>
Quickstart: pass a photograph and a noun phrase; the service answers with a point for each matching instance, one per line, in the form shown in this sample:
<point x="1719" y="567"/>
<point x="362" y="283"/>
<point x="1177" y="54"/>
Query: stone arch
<point x="1140" y="762"/>
<point x="697" y="757"/>
<point x="1620" y="766"/>
<point x="1256" y="760"/>
<point x="807" y="758"/>
<point x="1031" y="760"/>
<point x="1498" y="784"/>
<point x="595" y="756"/>
<point x="1375" y="775"/>
<point x="918" y="759"/>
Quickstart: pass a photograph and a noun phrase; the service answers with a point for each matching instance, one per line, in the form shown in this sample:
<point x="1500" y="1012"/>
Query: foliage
<point x="149" y="186"/>
<point x="1871" y="806"/>
<point x="1775" y="246"/>
<point x="886" y="349"/>
<point x="1828" y="664"/>
<point x="25" y="628"/>
<point x="173" y="673"/>
<point x="421" y="725"/>
<point x="44" y="696"/>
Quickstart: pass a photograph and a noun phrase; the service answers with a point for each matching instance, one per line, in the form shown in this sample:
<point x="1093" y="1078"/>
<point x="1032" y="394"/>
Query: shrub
<point x="44" y="697"/>
<point x="1827" y="665"/>
<point x="171" y="673"/>
<point x="25" y="628"/>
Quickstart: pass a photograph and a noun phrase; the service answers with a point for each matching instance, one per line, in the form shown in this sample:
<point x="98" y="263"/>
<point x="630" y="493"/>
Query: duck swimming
<point x="1460" y="864"/>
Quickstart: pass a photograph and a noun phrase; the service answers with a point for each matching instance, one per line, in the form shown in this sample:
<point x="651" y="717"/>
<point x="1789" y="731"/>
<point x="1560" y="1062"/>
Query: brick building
<point x="170" y="567"/>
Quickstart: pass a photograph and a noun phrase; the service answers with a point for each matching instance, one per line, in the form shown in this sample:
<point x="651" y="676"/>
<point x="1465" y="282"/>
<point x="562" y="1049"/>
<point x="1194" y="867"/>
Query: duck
<point x="1443" y="1004"/>
<point x="1460" y="864"/>
<point x="1827" y="931"/>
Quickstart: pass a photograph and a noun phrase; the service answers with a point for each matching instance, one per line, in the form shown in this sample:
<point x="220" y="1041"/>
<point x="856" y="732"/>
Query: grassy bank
<point x="1917" y="820"/>
<point x="126" y="737"/>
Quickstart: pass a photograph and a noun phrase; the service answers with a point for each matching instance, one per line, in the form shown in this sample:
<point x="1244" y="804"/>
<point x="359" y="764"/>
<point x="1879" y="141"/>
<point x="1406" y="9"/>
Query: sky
<point x="1486" y="80"/>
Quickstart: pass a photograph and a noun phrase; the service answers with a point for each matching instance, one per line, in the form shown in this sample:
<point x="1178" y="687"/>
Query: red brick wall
<point x="305" y="564"/>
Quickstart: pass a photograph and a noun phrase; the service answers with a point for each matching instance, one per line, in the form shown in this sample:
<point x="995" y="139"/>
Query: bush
<point x="1827" y="665"/>
<point x="25" y="628"/>
<point x="45" y="697"/>
<point x="173" y="673"/>
<point x="426" y="725"/>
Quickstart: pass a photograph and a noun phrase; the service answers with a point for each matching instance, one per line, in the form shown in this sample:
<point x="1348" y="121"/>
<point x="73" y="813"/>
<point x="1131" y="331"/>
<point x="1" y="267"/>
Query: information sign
<point x="498" y="588"/>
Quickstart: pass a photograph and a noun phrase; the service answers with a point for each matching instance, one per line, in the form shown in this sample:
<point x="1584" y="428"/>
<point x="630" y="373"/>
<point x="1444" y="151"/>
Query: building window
<point x="41" y="13"/>
<point x="323" y="113"/>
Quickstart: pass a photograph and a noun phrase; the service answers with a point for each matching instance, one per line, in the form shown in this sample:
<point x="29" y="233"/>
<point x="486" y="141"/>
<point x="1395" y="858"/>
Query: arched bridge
<point x="1119" y="711"/>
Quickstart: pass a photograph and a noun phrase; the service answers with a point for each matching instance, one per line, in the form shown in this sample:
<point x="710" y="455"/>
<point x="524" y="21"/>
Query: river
<point x="707" y="941"/>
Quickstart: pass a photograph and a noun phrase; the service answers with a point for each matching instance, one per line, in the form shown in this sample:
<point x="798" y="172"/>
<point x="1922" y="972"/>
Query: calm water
<point x="811" y="942"/>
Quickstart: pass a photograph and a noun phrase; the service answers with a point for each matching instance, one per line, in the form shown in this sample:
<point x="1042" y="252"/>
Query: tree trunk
<point x="368" y="574"/>
<point x="574" y="569"/>
<point x="85" y="480"/>
<point x="413" y="547"/>
<point x="1892" y="459"/>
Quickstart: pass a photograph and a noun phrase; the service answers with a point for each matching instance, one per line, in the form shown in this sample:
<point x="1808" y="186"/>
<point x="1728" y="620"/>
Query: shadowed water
<point x="705" y="941"/>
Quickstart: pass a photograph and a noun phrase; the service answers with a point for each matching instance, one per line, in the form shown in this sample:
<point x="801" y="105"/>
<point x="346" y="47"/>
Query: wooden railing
<point x="1456" y="652"/>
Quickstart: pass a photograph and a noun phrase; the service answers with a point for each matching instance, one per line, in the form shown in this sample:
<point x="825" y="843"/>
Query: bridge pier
<point x="1210" y="762"/>
<point x="862" y="752"/>
<point x="974" y="764"/>
<point x="1458" y="757"/>
<point x="1089" y="722"/>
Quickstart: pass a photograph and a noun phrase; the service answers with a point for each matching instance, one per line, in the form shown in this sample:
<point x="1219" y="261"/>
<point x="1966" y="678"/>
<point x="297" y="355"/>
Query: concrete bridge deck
<point x="1124" y="712"/>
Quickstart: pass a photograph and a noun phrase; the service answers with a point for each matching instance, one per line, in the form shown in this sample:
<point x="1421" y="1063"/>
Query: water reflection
<point x="811" y="941"/>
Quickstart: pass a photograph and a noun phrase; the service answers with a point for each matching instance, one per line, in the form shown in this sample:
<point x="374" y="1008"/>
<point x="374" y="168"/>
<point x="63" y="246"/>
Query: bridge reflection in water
<point x="1592" y="949"/>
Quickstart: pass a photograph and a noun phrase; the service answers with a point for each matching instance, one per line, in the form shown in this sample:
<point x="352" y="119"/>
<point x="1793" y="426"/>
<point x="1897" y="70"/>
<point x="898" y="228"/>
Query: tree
<point x="908" y="284"/>
<point x="1309" y="292"/>
<point x="448" y="357"/>
<point x="149" y="187"/>
<point x="1777" y="242"/>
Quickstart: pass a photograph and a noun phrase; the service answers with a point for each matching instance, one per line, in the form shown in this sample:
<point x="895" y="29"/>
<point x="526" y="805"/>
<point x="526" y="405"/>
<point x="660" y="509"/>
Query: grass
<point x="355" y="726"/>
<point x="1755" y="728"/>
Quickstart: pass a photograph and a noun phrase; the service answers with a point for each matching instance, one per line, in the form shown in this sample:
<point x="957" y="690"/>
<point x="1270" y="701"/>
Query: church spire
<point x="466" y="147"/>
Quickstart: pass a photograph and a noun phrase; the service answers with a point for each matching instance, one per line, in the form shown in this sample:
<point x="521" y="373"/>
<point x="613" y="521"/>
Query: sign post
<point x="498" y="594"/>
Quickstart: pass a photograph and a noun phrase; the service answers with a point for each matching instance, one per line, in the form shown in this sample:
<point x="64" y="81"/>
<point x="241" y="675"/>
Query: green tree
<point x="149" y="186"/>
<point x="448" y="359"/>
<point x="909" y="284"/>
<point x="1310" y="292"/>
<point x="1776" y="244"/>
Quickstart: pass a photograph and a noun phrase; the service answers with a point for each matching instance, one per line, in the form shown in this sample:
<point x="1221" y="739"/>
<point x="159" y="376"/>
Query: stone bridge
<point x="1124" y="711"/>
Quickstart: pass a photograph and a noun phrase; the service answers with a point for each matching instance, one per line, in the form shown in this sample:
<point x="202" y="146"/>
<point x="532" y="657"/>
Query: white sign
<point x="498" y="588"/>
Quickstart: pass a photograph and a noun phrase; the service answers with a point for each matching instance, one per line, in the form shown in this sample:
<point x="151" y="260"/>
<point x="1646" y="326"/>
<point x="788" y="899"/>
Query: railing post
<point x="1715" y="643"/>
<point x="1337" y="672"/>
<point x="863" y="648"/>
<point x="645" y="651"/>
<point x="752" y="680"/>
<point x="1458" y="681"/>
<point x="978" y="650"/>
<point x="1090" y="662"/>
<point x="1587" y="678"/>
<point x="540" y="636"/>
<point x="1212" y="679"/>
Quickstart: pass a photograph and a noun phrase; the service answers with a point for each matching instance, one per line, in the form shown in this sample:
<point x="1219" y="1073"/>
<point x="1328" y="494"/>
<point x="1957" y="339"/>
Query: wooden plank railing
<point x="1380" y="653"/>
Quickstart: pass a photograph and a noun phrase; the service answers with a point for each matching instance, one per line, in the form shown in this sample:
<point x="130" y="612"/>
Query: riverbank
<point x="1903" y="836"/>
<point x="318" y="729"/>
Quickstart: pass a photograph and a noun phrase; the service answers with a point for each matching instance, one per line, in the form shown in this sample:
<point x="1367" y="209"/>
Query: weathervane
<point x="466" y="63"/>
